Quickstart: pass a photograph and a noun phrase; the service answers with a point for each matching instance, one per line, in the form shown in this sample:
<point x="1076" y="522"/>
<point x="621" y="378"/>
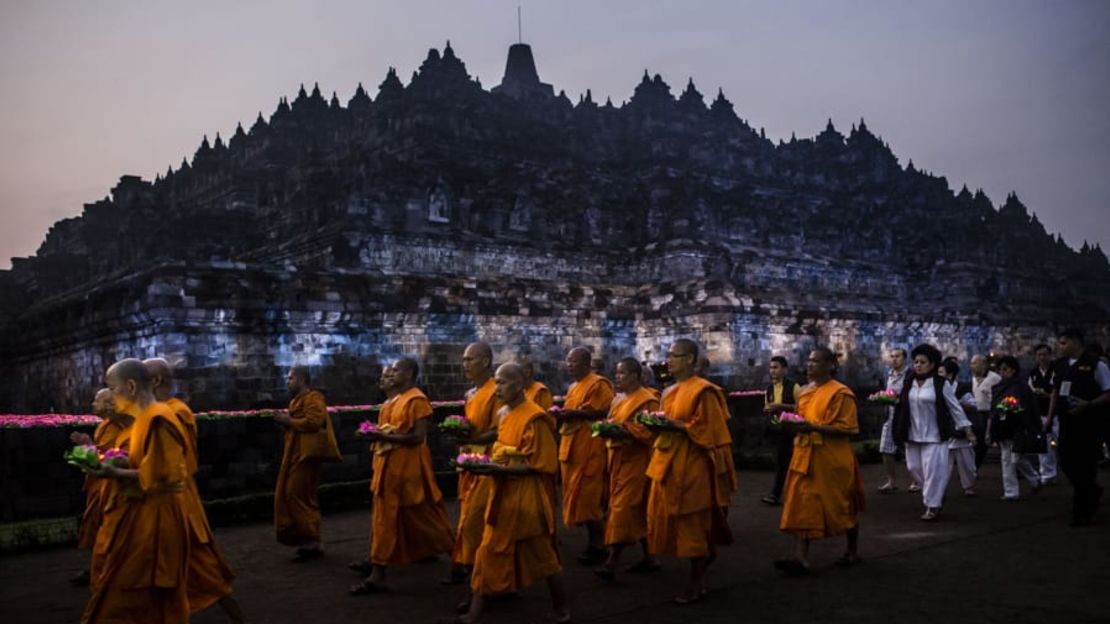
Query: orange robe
<point x="209" y="578"/>
<point x="518" y="544"/>
<point x="628" y="462"/>
<point x="824" y="492"/>
<point x="408" y="521"/>
<point x="309" y="441"/>
<point x="481" y="410"/>
<point x="583" y="456"/>
<point x="95" y="489"/>
<point x="145" y="536"/>
<point x="540" y="395"/>
<point x="687" y="472"/>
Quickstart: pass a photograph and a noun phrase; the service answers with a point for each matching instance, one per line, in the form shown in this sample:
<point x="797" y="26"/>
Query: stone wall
<point x="233" y="329"/>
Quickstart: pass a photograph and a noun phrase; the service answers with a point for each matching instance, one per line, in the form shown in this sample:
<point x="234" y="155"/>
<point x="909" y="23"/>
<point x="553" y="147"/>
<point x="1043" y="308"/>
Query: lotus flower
<point x="788" y="418"/>
<point x="366" y="428"/>
<point x="602" y="427"/>
<point x="884" y="397"/>
<point x="83" y="456"/>
<point x="456" y="424"/>
<point x="471" y="459"/>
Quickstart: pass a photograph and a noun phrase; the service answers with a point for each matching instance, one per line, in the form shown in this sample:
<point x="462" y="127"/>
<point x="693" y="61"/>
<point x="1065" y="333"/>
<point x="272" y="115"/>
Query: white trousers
<point x="1047" y="460"/>
<point x="964" y="458"/>
<point x="1012" y="464"/>
<point x="927" y="463"/>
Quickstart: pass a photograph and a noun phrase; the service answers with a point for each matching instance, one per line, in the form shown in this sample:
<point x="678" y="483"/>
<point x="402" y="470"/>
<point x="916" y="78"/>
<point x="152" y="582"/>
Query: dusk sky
<point x="1001" y="95"/>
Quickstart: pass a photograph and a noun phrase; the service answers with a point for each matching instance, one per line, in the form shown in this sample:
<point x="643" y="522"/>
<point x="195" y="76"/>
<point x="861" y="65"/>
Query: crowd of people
<point x="631" y="465"/>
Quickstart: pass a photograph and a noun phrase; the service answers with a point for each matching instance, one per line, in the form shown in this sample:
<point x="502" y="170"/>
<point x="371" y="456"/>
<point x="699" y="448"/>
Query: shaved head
<point x="687" y="347"/>
<point x="509" y="383"/>
<point x="162" y="374"/>
<point x="160" y="368"/>
<point x="131" y="385"/>
<point x="511" y="370"/>
<point x="407" y="366"/>
<point x="130" y="370"/>
<point x="479" y="349"/>
<point x="477" y="359"/>
<point x="581" y="354"/>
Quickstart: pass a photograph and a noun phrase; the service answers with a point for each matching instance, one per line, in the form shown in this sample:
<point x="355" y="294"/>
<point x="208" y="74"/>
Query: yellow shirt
<point x="777" y="392"/>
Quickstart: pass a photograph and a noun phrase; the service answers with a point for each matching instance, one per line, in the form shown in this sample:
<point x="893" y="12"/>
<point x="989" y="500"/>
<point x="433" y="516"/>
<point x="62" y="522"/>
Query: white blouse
<point x="923" y="411"/>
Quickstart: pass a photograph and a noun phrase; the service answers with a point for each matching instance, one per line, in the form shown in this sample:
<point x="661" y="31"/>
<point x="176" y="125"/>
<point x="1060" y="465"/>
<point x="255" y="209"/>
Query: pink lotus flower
<point x="471" y="459"/>
<point x="554" y="409"/>
<point x="788" y="417"/>
<point x="366" y="428"/>
<point x="886" y="397"/>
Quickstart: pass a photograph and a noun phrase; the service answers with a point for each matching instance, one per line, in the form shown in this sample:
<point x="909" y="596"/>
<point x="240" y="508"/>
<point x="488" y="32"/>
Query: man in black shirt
<point x="1081" y="402"/>
<point x="1042" y="381"/>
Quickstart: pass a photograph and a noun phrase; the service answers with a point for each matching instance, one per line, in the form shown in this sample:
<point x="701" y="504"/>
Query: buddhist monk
<point x="385" y="383"/>
<point x="210" y="576"/>
<point x="309" y="442"/>
<point x="408" y="522"/>
<point x="534" y="391"/>
<point x="685" y="506"/>
<point x="481" y="410"/>
<point x="824" y="492"/>
<point x="145" y="535"/>
<point x="583" y="457"/>
<point x="629" y="454"/>
<point x="104" y="438"/>
<point x="518" y="544"/>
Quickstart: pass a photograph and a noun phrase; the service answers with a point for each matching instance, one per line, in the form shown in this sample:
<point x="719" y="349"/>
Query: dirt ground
<point x="985" y="560"/>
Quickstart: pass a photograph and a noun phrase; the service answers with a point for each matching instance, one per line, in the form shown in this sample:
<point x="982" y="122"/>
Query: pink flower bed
<point x="27" y="421"/>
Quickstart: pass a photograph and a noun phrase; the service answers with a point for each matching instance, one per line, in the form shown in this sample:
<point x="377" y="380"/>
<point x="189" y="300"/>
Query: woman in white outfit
<point x="926" y="418"/>
<point x="1003" y="427"/>
<point x="961" y="452"/>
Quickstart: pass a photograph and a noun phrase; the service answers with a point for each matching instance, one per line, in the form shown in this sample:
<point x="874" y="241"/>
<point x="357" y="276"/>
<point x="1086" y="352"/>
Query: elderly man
<point x="481" y="411"/>
<point x="583" y="456"/>
<point x="145" y="537"/>
<point x="824" y="492"/>
<point x="690" y="480"/>
<point x="408" y="520"/>
<point x="518" y="544"/>
<point x="97" y="490"/>
<point x="309" y="442"/>
<point x="895" y="378"/>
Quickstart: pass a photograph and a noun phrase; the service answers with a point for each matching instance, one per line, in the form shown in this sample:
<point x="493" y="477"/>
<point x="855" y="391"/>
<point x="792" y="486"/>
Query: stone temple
<point x="437" y="213"/>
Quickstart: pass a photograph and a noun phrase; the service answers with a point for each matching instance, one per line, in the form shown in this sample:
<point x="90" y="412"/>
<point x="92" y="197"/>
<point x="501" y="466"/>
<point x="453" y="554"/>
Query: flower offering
<point x="83" y="456"/>
<point x="653" y="419"/>
<point x="787" y="418"/>
<point x="884" y="397"/>
<point x="603" y="427"/>
<point x="471" y="459"/>
<point x="366" y="428"/>
<point x="456" y="424"/>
